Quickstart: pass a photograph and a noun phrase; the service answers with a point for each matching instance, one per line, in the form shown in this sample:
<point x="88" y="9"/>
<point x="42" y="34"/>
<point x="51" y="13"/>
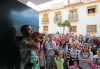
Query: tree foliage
<point x="65" y="23"/>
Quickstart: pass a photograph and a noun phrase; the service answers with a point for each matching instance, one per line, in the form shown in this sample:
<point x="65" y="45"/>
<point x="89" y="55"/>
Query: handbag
<point x="29" y="64"/>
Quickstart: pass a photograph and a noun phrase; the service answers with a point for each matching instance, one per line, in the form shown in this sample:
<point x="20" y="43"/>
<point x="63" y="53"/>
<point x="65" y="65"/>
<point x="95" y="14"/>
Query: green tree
<point x="64" y="24"/>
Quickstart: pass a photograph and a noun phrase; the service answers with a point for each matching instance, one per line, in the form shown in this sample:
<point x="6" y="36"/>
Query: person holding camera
<point x="28" y="49"/>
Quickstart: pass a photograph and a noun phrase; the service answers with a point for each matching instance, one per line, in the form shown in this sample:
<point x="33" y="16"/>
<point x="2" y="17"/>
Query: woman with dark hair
<point x="63" y="47"/>
<point x="42" y="43"/>
<point x="67" y="41"/>
<point x="96" y="44"/>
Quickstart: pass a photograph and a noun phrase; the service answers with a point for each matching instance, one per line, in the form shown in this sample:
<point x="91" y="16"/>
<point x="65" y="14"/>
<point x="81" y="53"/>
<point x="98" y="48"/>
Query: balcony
<point x="57" y="19"/>
<point x="73" y="17"/>
<point x="45" y="20"/>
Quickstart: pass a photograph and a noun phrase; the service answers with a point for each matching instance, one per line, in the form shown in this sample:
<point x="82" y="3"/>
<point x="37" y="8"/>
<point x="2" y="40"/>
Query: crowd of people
<point x="59" y="51"/>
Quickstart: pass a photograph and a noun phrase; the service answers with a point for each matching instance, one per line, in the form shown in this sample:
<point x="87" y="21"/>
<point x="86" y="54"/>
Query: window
<point x="45" y="18"/>
<point x="91" y="9"/>
<point x="58" y="16"/>
<point x="91" y="28"/>
<point x="45" y="28"/>
<point x="73" y="15"/>
<point x="73" y="29"/>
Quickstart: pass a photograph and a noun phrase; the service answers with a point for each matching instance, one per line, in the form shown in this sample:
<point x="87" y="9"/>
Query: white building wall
<point x="84" y="20"/>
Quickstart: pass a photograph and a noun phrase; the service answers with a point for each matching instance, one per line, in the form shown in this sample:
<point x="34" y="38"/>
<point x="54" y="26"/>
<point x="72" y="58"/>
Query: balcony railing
<point x="91" y="30"/>
<point x="58" y="18"/>
<point x="73" y="17"/>
<point x="45" y="19"/>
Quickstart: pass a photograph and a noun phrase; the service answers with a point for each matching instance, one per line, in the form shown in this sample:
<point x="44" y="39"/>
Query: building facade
<point x="83" y="16"/>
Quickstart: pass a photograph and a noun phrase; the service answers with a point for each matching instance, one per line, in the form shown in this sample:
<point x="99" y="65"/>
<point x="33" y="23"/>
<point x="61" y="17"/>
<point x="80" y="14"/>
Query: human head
<point x="67" y="40"/>
<point x="85" y="47"/>
<point x="95" y="41"/>
<point x="43" y="40"/>
<point x="74" y="45"/>
<point x="51" y="37"/>
<point x="76" y="63"/>
<point x="98" y="51"/>
<point x="61" y="54"/>
<point x="63" y="42"/>
<point x="87" y="40"/>
<point x="26" y="30"/>
<point x="41" y="52"/>
<point x="73" y="37"/>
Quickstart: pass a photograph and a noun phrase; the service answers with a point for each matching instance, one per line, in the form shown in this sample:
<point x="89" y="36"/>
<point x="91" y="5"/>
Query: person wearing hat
<point x="28" y="48"/>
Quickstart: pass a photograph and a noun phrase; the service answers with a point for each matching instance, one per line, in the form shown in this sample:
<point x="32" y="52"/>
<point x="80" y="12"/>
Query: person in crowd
<point x="75" y="66"/>
<point x="80" y="39"/>
<point x="72" y="54"/>
<point x="67" y="41"/>
<point x="89" y="42"/>
<point x="67" y="35"/>
<point x="76" y="37"/>
<point x="96" y="59"/>
<point x="42" y="59"/>
<point x="57" y="32"/>
<point x="28" y="49"/>
<point x="89" y="36"/>
<point x="72" y="39"/>
<point x="42" y="43"/>
<point x="84" y="38"/>
<point x="60" y="36"/>
<point x="57" y="40"/>
<point x="62" y="46"/>
<point x="59" y="60"/>
<point x="50" y="52"/>
<point x="96" y="44"/>
<point x="85" y="57"/>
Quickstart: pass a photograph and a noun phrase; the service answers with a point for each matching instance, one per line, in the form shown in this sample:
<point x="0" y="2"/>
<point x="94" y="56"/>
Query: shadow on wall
<point x="10" y="27"/>
<point x="9" y="53"/>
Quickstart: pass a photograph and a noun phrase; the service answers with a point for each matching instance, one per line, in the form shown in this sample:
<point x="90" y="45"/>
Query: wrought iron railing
<point x="45" y="19"/>
<point x="72" y="16"/>
<point x="58" y="18"/>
